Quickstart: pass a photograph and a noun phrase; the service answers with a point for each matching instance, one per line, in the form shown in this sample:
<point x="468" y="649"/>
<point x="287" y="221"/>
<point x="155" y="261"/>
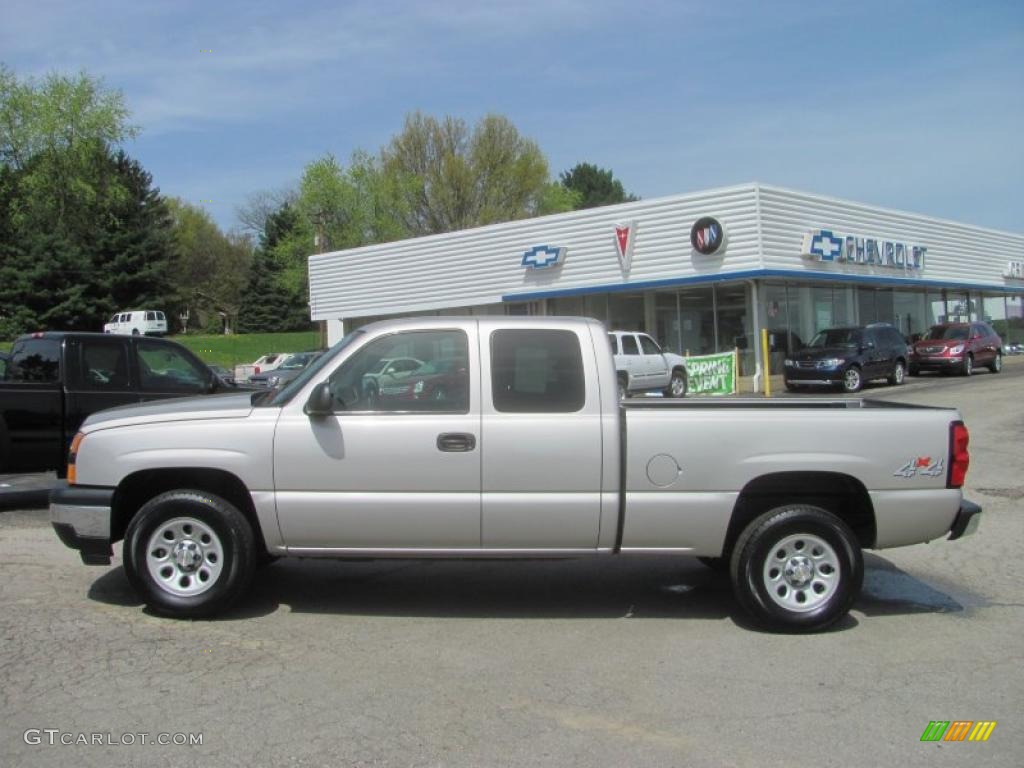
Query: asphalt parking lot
<point x="605" y="663"/>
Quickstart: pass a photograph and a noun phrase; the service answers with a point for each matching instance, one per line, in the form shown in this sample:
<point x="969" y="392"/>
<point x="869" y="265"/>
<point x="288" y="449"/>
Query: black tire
<point x="135" y="331"/>
<point x="807" y="591"/>
<point x="967" y="369"/>
<point x="623" y="387"/>
<point x="677" y="384"/>
<point x="207" y="516"/>
<point x="853" y="379"/>
<point x="995" y="366"/>
<point x="898" y="375"/>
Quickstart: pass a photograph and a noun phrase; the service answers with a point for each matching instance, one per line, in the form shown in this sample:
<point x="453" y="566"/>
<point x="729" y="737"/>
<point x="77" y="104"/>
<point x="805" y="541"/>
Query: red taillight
<point x="256" y="369"/>
<point x="959" y="458"/>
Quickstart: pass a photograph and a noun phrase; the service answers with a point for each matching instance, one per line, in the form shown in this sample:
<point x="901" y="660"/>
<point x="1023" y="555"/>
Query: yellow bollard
<point x="764" y="361"/>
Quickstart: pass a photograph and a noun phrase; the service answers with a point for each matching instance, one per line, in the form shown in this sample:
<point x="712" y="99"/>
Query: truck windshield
<point x="286" y="394"/>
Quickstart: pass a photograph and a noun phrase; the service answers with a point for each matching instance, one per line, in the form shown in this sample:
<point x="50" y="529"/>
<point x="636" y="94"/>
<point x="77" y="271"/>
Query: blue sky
<point x="911" y="105"/>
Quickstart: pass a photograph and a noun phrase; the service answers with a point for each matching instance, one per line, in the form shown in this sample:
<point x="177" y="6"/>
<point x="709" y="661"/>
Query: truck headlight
<point x="958" y="349"/>
<point x="788" y="363"/>
<point x="273" y="381"/>
<point x="832" y="362"/>
<point x="418" y="388"/>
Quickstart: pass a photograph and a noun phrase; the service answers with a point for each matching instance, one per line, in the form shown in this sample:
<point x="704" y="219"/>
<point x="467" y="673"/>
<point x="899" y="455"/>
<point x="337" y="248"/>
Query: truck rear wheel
<point x="189" y="553"/>
<point x="797" y="568"/>
<point x="677" y="385"/>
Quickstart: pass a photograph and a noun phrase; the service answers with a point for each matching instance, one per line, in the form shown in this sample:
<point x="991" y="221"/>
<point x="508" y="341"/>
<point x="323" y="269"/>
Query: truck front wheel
<point x="797" y="568"/>
<point x="189" y="553"/>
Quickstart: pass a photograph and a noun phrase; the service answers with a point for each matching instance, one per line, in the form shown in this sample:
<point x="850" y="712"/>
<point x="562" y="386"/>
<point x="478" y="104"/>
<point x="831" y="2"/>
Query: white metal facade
<point x="765" y="229"/>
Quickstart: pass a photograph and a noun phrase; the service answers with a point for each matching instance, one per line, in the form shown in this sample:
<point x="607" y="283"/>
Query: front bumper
<point x="946" y="363"/>
<point x="821" y="377"/>
<point x="966" y="521"/>
<point x="81" y="518"/>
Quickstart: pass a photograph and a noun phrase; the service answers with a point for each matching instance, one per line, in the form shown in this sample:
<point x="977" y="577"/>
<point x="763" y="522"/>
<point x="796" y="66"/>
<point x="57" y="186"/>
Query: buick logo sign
<point x="707" y="235"/>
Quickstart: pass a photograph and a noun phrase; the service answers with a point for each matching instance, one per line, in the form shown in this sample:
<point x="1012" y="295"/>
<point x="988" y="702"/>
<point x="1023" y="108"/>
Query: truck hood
<point x="228" y="406"/>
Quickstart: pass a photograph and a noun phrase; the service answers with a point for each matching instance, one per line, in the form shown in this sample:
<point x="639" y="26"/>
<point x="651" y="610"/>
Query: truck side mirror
<point x="320" y="402"/>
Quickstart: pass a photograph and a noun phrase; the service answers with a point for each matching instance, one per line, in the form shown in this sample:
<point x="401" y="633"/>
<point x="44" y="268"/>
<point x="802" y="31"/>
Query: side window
<point x="164" y="368"/>
<point x="614" y="341"/>
<point x="104" y="365"/>
<point x="648" y="346"/>
<point x="629" y="346"/>
<point x="36" y="361"/>
<point x="150" y="316"/>
<point x="424" y="371"/>
<point x="537" y="371"/>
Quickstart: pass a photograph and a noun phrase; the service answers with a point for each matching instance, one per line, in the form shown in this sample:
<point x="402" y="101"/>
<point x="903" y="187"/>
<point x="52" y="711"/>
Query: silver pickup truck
<point x="507" y="439"/>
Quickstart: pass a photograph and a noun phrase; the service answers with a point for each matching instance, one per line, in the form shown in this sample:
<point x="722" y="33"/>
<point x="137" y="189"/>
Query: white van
<point x="137" y="321"/>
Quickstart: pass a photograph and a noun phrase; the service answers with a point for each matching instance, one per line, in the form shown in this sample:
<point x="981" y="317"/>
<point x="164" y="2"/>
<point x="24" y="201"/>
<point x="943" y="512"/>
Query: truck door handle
<point x="456" y="442"/>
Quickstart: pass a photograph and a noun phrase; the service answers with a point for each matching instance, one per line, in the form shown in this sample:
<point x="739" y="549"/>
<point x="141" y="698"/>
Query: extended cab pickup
<point x="509" y="442"/>
<point x="52" y="381"/>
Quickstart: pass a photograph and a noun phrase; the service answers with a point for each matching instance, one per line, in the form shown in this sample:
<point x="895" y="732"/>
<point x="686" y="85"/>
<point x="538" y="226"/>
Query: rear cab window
<point x="537" y="371"/>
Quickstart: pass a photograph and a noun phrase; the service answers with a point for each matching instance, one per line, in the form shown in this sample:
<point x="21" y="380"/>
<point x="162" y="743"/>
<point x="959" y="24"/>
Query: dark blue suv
<point x="848" y="357"/>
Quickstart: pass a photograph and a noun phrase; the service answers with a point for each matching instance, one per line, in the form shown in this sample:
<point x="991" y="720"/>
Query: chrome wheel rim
<point x="852" y="380"/>
<point x="998" y="364"/>
<point x="968" y="365"/>
<point x="678" y="386"/>
<point x="801" y="573"/>
<point x="184" y="556"/>
<point x="898" y="373"/>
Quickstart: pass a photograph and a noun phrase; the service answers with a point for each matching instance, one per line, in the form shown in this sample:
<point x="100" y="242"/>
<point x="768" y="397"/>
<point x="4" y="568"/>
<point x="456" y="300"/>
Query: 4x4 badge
<point x="922" y="465"/>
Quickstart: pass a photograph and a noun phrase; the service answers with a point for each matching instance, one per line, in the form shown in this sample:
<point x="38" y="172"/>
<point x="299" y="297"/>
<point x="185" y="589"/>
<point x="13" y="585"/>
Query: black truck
<point x="51" y="381"/>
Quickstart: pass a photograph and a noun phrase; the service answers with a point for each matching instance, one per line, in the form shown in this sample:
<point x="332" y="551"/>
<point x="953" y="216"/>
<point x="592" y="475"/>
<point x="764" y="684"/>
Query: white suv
<point x="138" y="321"/>
<point x="642" y="366"/>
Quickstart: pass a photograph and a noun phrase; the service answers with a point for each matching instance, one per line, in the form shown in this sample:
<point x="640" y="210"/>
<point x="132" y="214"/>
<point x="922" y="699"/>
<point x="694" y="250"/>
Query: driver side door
<point x="399" y="470"/>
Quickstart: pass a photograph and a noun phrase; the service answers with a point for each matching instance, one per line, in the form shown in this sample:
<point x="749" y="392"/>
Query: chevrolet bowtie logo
<point x="825" y="246"/>
<point x="543" y="256"/>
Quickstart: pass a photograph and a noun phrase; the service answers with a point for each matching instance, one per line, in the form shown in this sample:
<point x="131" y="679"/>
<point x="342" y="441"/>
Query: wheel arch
<point x="841" y="494"/>
<point x="138" y="488"/>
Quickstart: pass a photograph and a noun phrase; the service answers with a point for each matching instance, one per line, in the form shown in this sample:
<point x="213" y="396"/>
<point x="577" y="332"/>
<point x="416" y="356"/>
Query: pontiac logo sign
<point x="625" y="234"/>
<point x="544" y="256"/>
<point x="707" y="235"/>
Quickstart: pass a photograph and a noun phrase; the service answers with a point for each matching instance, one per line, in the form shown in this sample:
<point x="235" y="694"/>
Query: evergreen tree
<point x="595" y="186"/>
<point x="266" y="304"/>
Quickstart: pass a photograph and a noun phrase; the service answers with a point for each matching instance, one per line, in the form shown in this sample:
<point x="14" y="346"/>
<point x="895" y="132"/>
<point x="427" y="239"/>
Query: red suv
<point x="960" y="347"/>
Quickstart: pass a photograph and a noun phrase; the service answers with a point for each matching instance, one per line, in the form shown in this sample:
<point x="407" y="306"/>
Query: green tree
<point x="266" y="306"/>
<point x="448" y="177"/>
<point x="210" y="268"/>
<point x="57" y="130"/>
<point x="594" y="186"/>
<point x="73" y="277"/>
<point x="83" y="230"/>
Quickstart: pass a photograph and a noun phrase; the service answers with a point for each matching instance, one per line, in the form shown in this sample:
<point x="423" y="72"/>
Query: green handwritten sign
<point x="712" y="374"/>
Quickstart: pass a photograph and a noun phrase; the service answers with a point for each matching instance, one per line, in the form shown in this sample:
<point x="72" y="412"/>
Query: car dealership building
<point x="702" y="272"/>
